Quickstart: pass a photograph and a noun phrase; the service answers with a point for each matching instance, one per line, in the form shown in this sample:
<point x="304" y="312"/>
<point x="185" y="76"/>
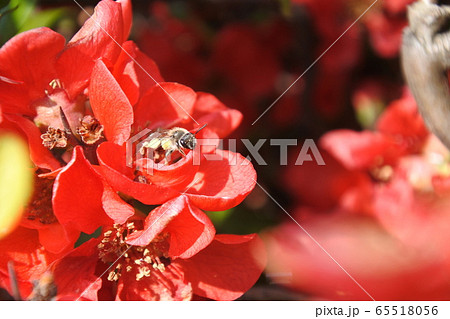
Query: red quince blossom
<point x="385" y="24"/>
<point x="385" y="267"/>
<point x="45" y="100"/>
<point x="343" y="187"/>
<point x="358" y="161"/>
<point x="384" y="219"/>
<point x="78" y="109"/>
<point x="400" y="131"/>
<point x="30" y="259"/>
<point x="217" y="183"/>
<point x="173" y="254"/>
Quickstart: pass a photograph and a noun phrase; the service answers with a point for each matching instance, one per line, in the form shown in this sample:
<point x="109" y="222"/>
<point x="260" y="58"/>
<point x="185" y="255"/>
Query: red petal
<point x="309" y="182"/>
<point x="207" y="140"/>
<point x="29" y="58"/>
<point x="127" y="17"/>
<point x="74" y="274"/>
<point x="227" y="268"/>
<point x="22" y="247"/>
<point x="175" y="176"/>
<point x="110" y="105"/>
<point x="441" y="185"/>
<point x="359" y="150"/>
<point x="114" y="206"/>
<point x="402" y="120"/>
<point x="15" y="99"/>
<point x="209" y="110"/>
<point x="190" y="229"/>
<point x="77" y="195"/>
<point x="222" y="183"/>
<point x="165" y="105"/>
<point x="57" y="239"/>
<point x="135" y="72"/>
<point x="40" y="155"/>
<point x="100" y="37"/>
<point x="385" y="267"/>
<point x="166" y="286"/>
<point x="112" y="158"/>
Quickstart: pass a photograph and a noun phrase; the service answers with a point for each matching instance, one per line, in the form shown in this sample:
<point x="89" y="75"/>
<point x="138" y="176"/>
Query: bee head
<point x="188" y="141"/>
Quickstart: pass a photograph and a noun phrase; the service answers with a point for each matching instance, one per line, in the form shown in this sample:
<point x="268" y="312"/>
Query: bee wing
<point x="167" y="143"/>
<point x="153" y="141"/>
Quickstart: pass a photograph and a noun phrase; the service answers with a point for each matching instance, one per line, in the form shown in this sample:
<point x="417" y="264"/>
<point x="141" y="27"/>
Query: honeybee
<point x="169" y="140"/>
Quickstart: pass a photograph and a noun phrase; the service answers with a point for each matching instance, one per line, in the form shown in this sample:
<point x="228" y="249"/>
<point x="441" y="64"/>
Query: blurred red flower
<point x="385" y="25"/>
<point x="379" y="209"/>
<point x="386" y="268"/>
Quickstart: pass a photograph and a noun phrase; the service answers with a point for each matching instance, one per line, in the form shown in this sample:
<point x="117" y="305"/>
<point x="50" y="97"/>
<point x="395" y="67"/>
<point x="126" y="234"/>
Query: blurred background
<point x="371" y="230"/>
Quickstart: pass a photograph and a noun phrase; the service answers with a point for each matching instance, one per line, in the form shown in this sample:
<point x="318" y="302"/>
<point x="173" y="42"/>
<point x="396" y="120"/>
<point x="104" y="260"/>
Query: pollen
<point x="40" y="206"/>
<point x="90" y="130"/>
<point x="383" y="173"/>
<point x="141" y="179"/>
<point x="139" y="261"/>
<point x="55" y="84"/>
<point x="54" y="137"/>
<point x="143" y="272"/>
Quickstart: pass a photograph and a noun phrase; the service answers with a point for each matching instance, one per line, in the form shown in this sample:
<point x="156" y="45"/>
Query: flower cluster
<point x="383" y="218"/>
<point x="77" y="104"/>
<point x="374" y="218"/>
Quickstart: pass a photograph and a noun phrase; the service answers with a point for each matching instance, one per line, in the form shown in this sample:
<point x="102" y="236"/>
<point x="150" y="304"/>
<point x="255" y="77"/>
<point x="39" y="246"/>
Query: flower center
<point x="54" y="137"/>
<point x="64" y="123"/>
<point x="40" y="206"/>
<point x="382" y="174"/>
<point x="139" y="260"/>
<point x="90" y="130"/>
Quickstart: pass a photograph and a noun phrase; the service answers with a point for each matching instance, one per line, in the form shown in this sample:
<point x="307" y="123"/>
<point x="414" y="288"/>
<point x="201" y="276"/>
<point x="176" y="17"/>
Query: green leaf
<point x="16" y="181"/>
<point x="23" y="12"/>
<point x="219" y="218"/>
<point x="7" y="26"/>
<point x="368" y="113"/>
<point x="45" y="18"/>
<point x="5" y="8"/>
<point x="85" y="237"/>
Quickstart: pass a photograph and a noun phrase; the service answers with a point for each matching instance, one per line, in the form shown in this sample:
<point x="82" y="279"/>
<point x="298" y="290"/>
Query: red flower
<point x="400" y="131"/>
<point x="385" y="267"/>
<point x="171" y="255"/>
<point x="385" y="25"/>
<point x="398" y="178"/>
<point x="213" y="185"/>
<point x="30" y="259"/>
<point x="77" y="109"/>
<point x="343" y="187"/>
<point x="217" y="183"/>
<point x="47" y="82"/>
